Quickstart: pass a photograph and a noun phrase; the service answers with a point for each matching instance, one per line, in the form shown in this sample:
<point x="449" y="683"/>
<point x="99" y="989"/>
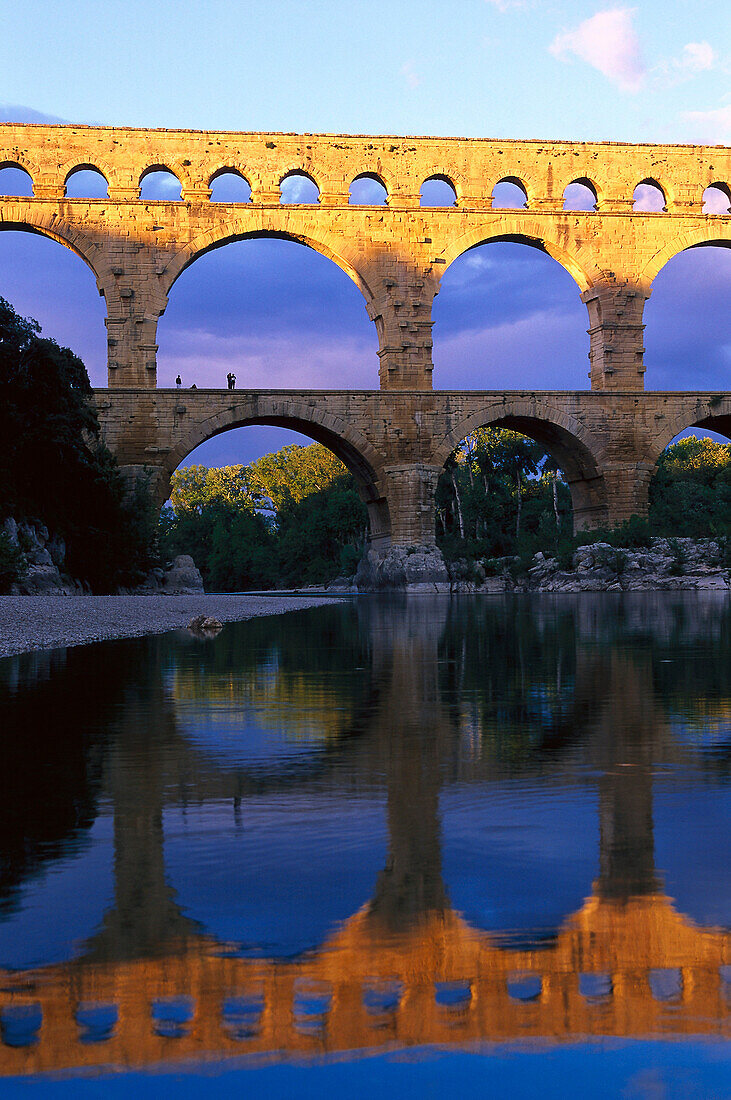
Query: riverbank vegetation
<point x="295" y="518"/>
<point x="54" y="469"/>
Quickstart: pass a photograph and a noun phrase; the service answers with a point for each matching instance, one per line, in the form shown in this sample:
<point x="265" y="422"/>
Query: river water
<point x="431" y="846"/>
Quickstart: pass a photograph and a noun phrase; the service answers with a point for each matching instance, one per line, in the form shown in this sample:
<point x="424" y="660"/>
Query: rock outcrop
<point x="44" y="554"/>
<point x="665" y="565"/>
<point x="416" y="568"/>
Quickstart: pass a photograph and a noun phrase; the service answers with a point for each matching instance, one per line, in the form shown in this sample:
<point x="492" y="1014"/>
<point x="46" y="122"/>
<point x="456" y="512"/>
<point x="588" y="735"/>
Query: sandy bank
<point x="45" y="622"/>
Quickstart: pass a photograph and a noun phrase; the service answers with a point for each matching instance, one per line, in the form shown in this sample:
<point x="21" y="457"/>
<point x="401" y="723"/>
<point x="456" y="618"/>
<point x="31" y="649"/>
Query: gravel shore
<point x="45" y="622"/>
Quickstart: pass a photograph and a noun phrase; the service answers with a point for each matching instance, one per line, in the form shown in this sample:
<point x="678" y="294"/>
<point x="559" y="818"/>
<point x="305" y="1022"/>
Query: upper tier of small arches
<point x="233" y="183"/>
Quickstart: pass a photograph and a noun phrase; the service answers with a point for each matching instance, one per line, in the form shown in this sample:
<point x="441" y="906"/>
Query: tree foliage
<point x="53" y="465"/>
<point x="499" y="493"/>
<point x="288" y="519"/>
<point x="690" y="495"/>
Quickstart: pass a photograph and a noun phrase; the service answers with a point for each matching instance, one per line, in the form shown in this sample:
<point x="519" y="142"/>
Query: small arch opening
<point x="717" y="199"/>
<point x="159" y="184"/>
<point x="509" y="193"/>
<point x="86" y="182"/>
<point x="368" y="189"/>
<point x="229" y="185"/>
<point x="438" y="190"/>
<point x="649" y="198"/>
<point x="15" y="182"/>
<point x="580" y="195"/>
<point x="298" y="189"/>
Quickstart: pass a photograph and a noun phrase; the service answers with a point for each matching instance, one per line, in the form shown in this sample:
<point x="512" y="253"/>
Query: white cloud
<point x="504" y="5"/>
<point x="608" y="42"/>
<point x="697" y="57"/>
<point x="409" y="73"/>
<point x="710" y="126"/>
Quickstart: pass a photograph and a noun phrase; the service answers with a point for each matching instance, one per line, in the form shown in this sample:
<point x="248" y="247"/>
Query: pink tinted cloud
<point x="609" y="43"/>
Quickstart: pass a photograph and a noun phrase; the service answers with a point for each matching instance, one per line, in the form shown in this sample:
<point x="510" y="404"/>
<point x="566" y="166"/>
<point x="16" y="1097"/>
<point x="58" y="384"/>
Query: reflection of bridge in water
<point x="406" y="968"/>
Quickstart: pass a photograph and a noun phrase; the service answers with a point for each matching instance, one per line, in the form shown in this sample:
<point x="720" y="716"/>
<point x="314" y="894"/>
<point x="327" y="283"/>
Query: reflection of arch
<point x="567" y="441"/>
<point x="714" y="232"/>
<point x="234" y="231"/>
<point x="527" y="231"/>
<point x="334" y="433"/>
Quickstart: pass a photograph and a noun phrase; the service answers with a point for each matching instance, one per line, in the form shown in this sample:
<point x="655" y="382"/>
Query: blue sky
<point x="278" y="314"/>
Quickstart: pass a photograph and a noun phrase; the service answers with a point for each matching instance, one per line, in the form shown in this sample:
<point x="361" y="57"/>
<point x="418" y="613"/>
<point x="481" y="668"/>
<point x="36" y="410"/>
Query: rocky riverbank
<point x="665" y="565"/>
<point x="46" y="622"/>
<point x="44" y="562"/>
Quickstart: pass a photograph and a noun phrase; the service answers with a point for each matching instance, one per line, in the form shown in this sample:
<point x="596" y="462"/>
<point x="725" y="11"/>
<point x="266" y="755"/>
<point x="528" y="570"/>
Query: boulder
<point x="182" y="577"/>
<point x="412" y="568"/>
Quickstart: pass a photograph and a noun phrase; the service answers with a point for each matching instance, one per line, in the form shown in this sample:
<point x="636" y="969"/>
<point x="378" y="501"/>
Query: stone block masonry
<point x="395" y="439"/>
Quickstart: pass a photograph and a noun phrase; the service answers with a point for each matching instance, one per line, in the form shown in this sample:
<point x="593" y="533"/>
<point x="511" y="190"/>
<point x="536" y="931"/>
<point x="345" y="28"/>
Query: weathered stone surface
<point x="395" y="439"/>
<point x="668" y="565"/>
<point x="416" y="568"/>
<point x="182" y="577"/>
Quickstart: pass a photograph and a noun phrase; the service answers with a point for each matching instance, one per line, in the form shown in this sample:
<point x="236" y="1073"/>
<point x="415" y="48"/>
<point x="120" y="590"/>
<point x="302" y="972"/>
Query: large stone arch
<point x="242" y="229"/>
<point x="345" y="441"/>
<point x="28" y="220"/>
<point x="520" y="228"/>
<point x="574" y="449"/>
<point x="715" y="231"/>
<point x="716" y="417"/>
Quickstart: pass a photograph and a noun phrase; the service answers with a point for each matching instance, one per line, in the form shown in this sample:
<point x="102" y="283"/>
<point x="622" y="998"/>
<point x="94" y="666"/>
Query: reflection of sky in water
<point x="63" y="906"/>
<point x="692" y="820"/>
<point x="280" y="881"/>
<point x="518" y="858"/>
<point x="600" y="1070"/>
<point x="237" y="736"/>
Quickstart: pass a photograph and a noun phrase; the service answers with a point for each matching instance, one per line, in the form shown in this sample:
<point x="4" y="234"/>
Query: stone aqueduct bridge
<point x="394" y="439"/>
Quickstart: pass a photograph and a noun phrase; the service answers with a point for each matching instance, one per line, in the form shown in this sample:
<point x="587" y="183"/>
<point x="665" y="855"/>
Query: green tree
<point x="53" y="466"/>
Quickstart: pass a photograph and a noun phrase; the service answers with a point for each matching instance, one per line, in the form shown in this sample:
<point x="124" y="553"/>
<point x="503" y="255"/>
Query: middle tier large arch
<point x="575" y="450"/>
<point x="345" y="441"/>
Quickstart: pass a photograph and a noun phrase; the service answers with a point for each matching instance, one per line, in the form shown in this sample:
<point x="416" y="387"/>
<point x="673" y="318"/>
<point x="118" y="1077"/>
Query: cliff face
<point x="666" y="565"/>
<point x="45" y="560"/>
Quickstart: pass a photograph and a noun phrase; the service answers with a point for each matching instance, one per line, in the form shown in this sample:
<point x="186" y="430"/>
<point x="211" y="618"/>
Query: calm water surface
<point x="425" y="846"/>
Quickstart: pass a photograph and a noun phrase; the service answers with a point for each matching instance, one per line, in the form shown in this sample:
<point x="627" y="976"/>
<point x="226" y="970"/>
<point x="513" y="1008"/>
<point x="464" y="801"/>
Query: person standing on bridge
<point x="178" y="382"/>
